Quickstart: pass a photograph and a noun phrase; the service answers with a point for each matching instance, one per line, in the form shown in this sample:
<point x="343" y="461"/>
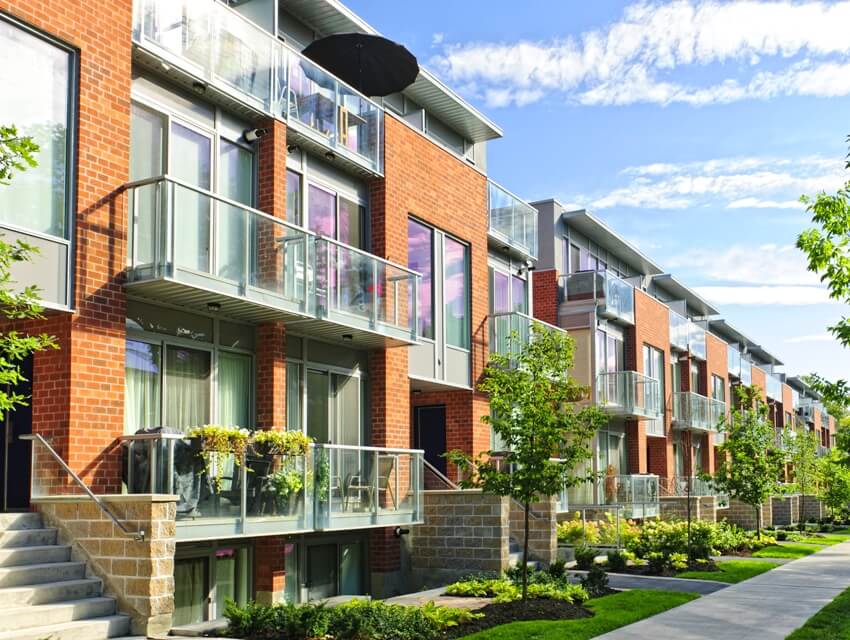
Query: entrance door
<point x="429" y="433"/>
<point x="15" y="459"/>
<point x="322" y="571"/>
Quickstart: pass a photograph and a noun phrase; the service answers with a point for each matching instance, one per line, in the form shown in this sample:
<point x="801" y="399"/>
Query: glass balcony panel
<point x="774" y="388"/>
<point x="619" y="298"/>
<point x="513" y="221"/>
<point x="638" y="495"/>
<point x="628" y="393"/>
<point x="244" y="57"/>
<point x="678" y="331"/>
<point x="734" y="361"/>
<point x="279" y="493"/>
<point x="696" y="341"/>
<point x="615" y="297"/>
<point x="694" y="411"/>
<point x="180" y="27"/>
<point x="312" y="99"/>
<point x="359" y="128"/>
<point x="746" y="372"/>
<point x="511" y="331"/>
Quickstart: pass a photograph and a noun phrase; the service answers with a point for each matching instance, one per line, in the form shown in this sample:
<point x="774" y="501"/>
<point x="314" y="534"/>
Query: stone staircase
<point x="44" y="594"/>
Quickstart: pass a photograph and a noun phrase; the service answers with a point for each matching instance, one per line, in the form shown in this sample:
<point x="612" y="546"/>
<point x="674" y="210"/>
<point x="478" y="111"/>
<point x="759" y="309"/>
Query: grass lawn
<point x="732" y="571"/>
<point x="830" y="623"/>
<point x="828" y="539"/>
<point x="791" y="550"/>
<point x="612" y="612"/>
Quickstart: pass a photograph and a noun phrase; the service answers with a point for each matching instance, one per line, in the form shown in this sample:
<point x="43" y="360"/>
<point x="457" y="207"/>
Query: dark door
<point x="15" y="457"/>
<point x="429" y="433"/>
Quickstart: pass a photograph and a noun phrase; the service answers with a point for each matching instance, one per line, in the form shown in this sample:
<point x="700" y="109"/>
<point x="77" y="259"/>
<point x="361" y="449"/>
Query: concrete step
<point x="27" y="537"/>
<point x="41" y="573"/>
<point x="20" y="521"/>
<point x="20" y="618"/>
<point x="93" y="629"/>
<point x="40" y="554"/>
<point x="49" y="592"/>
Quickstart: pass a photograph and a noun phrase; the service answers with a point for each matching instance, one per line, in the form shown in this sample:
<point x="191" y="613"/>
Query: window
<point x="38" y="96"/>
<point x="334" y="216"/>
<point x="205" y="577"/>
<point x="718" y="388"/>
<point x="508" y="293"/>
<point x="696" y="378"/>
<point x="456" y="293"/>
<point x="610" y="354"/>
<point x="420" y="257"/>
<point x="653" y="367"/>
<point x="575" y="259"/>
<point x="293" y="197"/>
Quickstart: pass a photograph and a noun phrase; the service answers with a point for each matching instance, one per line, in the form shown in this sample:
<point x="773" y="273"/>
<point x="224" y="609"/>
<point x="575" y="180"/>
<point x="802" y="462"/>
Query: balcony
<point x="612" y="297"/>
<point x="629" y="394"/>
<point x="696" y="341"/>
<point x="681" y="486"/>
<point x="807" y="412"/>
<point x="512" y="222"/>
<point x="248" y="70"/>
<point x="773" y="388"/>
<point x="678" y="331"/>
<point x="693" y="412"/>
<point x="733" y="357"/>
<point x="746" y="372"/>
<point x="331" y="488"/>
<point x="191" y="247"/>
<point x="511" y="331"/>
<point x="637" y="494"/>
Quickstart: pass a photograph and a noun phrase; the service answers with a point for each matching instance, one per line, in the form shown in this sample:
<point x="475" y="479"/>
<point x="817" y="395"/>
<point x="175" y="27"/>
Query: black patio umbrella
<point x="371" y="64"/>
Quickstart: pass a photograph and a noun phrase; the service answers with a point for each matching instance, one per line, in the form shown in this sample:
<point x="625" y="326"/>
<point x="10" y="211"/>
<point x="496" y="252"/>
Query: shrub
<point x="576" y="532"/>
<point x="678" y="561"/>
<point x="585" y="557"/>
<point x="781" y="535"/>
<point x="558" y="570"/>
<point x="503" y="590"/>
<point x="656" y="562"/>
<point x="617" y="561"/>
<point x="671" y="536"/>
<point x="595" y="583"/>
<point x="448" y="617"/>
<point x="270" y="622"/>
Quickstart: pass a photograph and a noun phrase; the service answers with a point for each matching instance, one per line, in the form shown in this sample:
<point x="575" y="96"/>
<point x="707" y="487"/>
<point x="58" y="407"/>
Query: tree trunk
<point x="758" y="521"/>
<point x="527" y="506"/>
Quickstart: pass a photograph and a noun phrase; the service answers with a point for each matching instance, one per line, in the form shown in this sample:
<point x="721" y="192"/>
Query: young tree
<point x="800" y="447"/>
<point x="534" y="413"/>
<point x="835" y="483"/>
<point x="749" y="462"/>
<point x="17" y="153"/>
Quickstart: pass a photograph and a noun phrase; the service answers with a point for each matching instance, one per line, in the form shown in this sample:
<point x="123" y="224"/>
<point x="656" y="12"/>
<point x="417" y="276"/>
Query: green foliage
<point x="835" y="482"/>
<point x="280" y="443"/>
<point x="602" y="532"/>
<point x="506" y="590"/>
<point x="217" y="443"/>
<point x="17" y="153"/>
<point x="671" y="536"/>
<point x="749" y="462"/>
<point x="678" y="561"/>
<point x="355" y="620"/>
<point x="595" y="582"/>
<point x="618" y="561"/>
<point x="801" y="450"/>
<point x="534" y="414"/>
<point x="585" y="557"/>
<point x="557" y="570"/>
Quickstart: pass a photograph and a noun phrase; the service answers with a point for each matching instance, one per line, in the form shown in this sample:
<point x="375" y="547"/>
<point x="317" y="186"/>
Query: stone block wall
<point x="464" y="532"/>
<point x="542" y="530"/>
<point x="786" y="510"/>
<point x="676" y="508"/>
<point x="744" y="516"/>
<point x="139" y="574"/>
<point x="811" y="507"/>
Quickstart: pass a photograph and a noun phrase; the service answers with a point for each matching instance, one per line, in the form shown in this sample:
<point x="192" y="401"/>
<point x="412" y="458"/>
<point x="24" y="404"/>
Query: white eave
<point x="330" y="16"/>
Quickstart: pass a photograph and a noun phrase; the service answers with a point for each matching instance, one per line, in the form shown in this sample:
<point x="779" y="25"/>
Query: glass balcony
<point x="696" y="341"/>
<point x="512" y="221"/>
<point x="774" y="388"/>
<point x="249" y="67"/>
<point x="733" y="357"/>
<point x="691" y="411"/>
<point x="678" y="331"/>
<point x="358" y="487"/>
<point x="629" y="394"/>
<point x="638" y="495"/>
<point x="193" y="247"/>
<point x="699" y="487"/>
<point x="614" y="297"/>
<point x="746" y="372"/>
<point x="511" y="331"/>
<point x="331" y="488"/>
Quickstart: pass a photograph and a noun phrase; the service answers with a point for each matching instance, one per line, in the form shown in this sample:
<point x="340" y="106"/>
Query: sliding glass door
<point x="191" y="162"/>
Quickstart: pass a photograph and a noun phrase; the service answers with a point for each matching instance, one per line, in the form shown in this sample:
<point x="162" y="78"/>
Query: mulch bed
<point x="643" y="570"/>
<point x="504" y="612"/>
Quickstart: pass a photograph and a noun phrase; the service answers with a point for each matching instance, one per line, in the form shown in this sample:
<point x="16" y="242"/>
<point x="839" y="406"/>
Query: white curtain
<point x="234" y="389"/>
<point x="142" y="378"/>
<point x="187" y="387"/>
<point x="293" y="397"/>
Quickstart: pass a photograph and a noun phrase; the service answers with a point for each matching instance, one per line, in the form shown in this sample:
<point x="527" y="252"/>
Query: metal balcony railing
<point x="188" y="244"/>
<point x="614" y="297"/>
<point x="332" y="487"/>
<point x="697" y="412"/>
<point x="681" y="486"/>
<point x="216" y="45"/>
<point x="512" y="221"/>
<point x="510" y="331"/>
<point x="629" y="394"/>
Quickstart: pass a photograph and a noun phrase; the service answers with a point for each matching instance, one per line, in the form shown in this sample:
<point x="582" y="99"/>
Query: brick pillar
<point x="269" y="569"/>
<point x="271" y="376"/>
<point x="545" y="295"/>
<point x="637" y="447"/>
<point x="708" y="453"/>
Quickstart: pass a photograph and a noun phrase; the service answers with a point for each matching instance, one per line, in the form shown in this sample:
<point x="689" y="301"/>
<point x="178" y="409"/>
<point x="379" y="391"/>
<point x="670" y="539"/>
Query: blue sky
<point x="690" y="127"/>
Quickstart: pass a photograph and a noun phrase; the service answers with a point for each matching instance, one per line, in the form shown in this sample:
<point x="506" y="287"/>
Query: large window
<point x="718" y="388"/>
<point x="653" y="367"/>
<point x="456" y="293"/>
<point x="420" y="257"/>
<point x="37" y="95"/>
<point x="508" y="292"/>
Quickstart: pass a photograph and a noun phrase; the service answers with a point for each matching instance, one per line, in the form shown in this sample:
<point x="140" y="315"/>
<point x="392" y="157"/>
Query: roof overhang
<point x="800" y="385"/>
<point x="680" y="291"/>
<point x="725" y="330"/>
<point x="327" y="17"/>
<point x="603" y="235"/>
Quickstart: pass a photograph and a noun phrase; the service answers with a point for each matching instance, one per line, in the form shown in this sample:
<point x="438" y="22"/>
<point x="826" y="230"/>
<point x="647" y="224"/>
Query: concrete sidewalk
<point x="767" y="607"/>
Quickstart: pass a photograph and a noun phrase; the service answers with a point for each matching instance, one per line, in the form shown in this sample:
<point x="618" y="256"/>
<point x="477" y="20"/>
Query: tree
<point x="749" y="462"/>
<point x="534" y="413"/>
<point x="17" y="153"/>
<point x="835" y="483"/>
<point x="827" y="247"/>
<point x="801" y="450"/>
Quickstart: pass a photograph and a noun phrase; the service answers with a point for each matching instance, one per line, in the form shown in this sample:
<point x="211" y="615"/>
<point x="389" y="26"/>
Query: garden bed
<point x="499" y="613"/>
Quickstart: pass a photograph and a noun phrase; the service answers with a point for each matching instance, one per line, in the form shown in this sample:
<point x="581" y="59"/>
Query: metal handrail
<point x="139" y="536"/>
<point x="366" y="254"/>
<point x="531" y="319"/>
<point x="440" y="475"/>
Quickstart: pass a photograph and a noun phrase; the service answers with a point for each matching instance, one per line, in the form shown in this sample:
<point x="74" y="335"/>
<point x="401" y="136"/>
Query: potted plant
<point x="215" y="444"/>
<point x="273" y="442"/>
<point x="286" y="484"/>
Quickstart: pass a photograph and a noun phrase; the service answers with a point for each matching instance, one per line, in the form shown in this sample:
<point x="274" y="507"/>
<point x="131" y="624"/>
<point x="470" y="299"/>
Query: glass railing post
<point x="414" y="332"/>
<point x="169" y="471"/>
<point x="243" y="490"/>
<point x="375" y="487"/>
<point x="375" y="299"/>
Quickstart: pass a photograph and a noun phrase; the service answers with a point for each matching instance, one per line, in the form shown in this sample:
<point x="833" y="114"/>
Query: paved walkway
<point x="767" y="607"/>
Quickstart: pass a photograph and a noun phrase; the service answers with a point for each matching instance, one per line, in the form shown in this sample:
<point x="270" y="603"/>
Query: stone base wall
<point x="139" y="574"/>
<point x="676" y="508"/>
<point x="464" y="532"/>
<point x="542" y="530"/>
<point x="744" y="516"/>
<point x="811" y="507"/>
<point x="786" y="510"/>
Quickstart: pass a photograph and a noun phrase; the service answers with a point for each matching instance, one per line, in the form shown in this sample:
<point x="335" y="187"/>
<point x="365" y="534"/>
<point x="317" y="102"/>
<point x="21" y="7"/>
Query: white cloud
<point x="751" y="264"/>
<point x="765" y="295"/>
<point x="437" y="38"/>
<point x="632" y="59"/>
<point x="755" y="203"/>
<point x="816" y="337"/>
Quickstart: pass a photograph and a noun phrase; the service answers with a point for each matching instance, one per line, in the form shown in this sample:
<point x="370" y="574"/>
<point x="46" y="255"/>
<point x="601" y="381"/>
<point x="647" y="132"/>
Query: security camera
<point x="252" y="135"/>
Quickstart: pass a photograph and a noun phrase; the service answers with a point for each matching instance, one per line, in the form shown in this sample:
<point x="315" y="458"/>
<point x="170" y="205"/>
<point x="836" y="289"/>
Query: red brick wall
<point x="544" y="288"/>
<point x="760" y="381"/>
<point x="716" y="364"/>
<point x="269" y="568"/>
<point x="787" y="405"/>
<point x="90" y="405"/>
